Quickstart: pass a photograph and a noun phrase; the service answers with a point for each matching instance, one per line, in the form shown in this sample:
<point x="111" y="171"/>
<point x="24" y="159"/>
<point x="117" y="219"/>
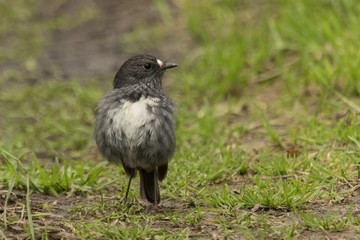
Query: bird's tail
<point x="149" y="186"/>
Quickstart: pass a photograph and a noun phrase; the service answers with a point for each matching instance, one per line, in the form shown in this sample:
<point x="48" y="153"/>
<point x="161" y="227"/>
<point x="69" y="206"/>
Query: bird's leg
<point x="127" y="190"/>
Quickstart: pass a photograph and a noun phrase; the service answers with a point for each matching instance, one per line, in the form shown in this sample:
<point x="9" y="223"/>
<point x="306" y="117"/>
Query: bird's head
<point x="141" y="69"/>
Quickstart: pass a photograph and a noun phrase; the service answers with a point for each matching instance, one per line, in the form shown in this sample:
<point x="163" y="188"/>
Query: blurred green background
<point x="57" y="59"/>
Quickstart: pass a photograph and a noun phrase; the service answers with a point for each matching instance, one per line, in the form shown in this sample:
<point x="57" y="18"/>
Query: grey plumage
<point x="135" y="124"/>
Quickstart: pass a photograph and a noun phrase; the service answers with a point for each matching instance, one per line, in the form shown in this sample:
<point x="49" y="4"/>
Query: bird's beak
<point x="165" y="65"/>
<point x="169" y="65"/>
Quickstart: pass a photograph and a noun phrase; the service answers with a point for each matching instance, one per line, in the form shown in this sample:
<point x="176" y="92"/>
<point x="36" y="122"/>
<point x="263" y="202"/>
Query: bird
<point x="135" y="124"/>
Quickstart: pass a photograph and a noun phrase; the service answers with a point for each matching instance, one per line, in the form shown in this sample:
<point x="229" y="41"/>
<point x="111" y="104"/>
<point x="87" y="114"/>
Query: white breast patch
<point x="133" y="115"/>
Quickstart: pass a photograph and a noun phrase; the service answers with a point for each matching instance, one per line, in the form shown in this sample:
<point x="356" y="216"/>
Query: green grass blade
<point x="355" y="141"/>
<point x="3" y="235"/>
<point x="31" y="225"/>
<point x="11" y="185"/>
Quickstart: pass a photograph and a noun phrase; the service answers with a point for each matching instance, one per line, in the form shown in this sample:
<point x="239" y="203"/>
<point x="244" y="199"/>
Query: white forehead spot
<point x="161" y="63"/>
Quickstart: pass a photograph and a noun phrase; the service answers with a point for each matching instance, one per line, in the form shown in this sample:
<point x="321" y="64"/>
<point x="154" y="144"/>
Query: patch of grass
<point x="21" y="43"/>
<point x="224" y="198"/>
<point x="227" y="58"/>
<point x="53" y="177"/>
<point x="270" y="132"/>
<point x="144" y="36"/>
<point x="23" y="36"/>
<point x="276" y="165"/>
<point x="261" y="227"/>
<point x="52" y="117"/>
<point x="269" y="194"/>
<point x="328" y="222"/>
<point x="318" y="43"/>
<point x="263" y="76"/>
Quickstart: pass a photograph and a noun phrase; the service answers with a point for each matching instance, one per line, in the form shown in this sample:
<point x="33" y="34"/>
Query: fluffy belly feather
<point x="133" y="115"/>
<point x="142" y="132"/>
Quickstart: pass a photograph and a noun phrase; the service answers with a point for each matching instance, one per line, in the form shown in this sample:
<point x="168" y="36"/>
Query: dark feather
<point x="149" y="187"/>
<point x="162" y="172"/>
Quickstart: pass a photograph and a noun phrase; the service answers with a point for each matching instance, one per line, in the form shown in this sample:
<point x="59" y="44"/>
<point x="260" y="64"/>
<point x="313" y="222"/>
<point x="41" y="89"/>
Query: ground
<point x="268" y="138"/>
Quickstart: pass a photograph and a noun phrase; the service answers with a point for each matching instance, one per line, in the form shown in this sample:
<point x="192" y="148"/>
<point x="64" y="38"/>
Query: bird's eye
<point x="147" y="66"/>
